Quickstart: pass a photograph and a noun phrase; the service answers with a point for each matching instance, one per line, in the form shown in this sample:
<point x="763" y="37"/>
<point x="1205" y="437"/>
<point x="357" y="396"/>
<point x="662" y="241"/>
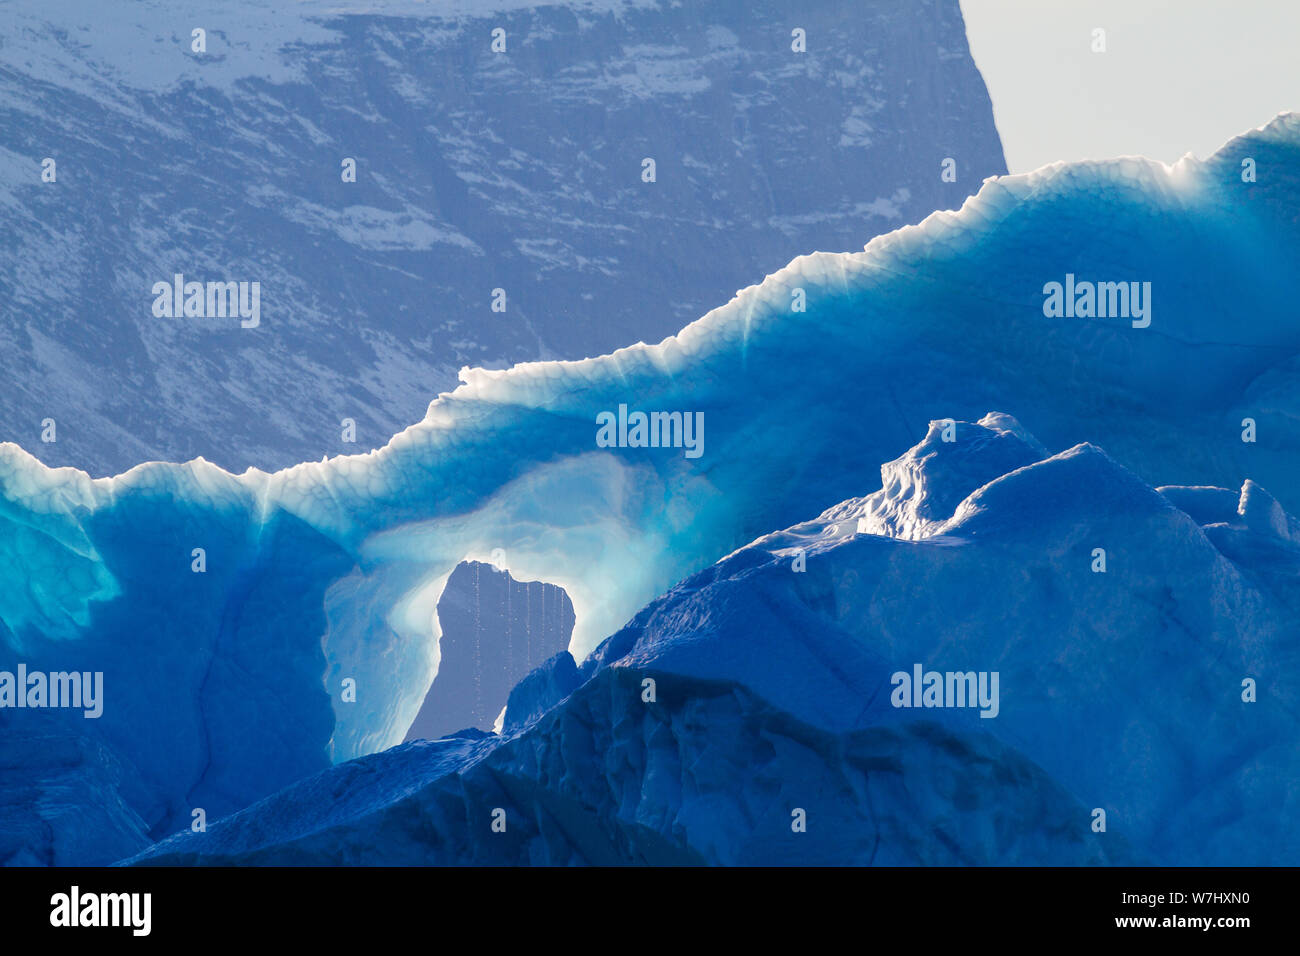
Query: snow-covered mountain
<point x="475" y="171"/>
<point x="773" y="694"/>
<point x="315" y="606"/>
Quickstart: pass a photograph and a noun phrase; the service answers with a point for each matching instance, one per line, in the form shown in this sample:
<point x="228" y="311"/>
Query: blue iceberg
<point x="254" y="630"/>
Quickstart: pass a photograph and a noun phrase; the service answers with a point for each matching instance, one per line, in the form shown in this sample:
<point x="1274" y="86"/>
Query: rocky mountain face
<point x="504" y="207"/>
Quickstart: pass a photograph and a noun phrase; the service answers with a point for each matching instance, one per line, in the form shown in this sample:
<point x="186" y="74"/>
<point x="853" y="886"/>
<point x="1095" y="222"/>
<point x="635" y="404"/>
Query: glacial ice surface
<point x="1119" y="690"/>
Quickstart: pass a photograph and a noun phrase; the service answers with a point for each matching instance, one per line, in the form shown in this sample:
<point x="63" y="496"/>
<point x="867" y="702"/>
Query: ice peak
<point x="922" y="488"/>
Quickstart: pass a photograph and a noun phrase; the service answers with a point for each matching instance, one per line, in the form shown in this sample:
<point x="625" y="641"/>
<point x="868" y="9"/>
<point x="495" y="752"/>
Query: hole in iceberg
<point x="494" y="631"/>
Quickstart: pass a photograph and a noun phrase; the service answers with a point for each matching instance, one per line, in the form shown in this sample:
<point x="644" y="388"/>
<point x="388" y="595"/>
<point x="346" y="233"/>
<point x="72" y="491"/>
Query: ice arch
<point x="571" y="522"/>
<point x="801" y="408"/>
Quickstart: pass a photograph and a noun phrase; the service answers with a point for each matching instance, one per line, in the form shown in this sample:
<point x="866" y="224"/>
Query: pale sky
<point x="1177" y="76"/>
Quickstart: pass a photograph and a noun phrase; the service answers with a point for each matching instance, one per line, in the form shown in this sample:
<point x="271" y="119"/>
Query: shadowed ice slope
<point x="332" y="570"/>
